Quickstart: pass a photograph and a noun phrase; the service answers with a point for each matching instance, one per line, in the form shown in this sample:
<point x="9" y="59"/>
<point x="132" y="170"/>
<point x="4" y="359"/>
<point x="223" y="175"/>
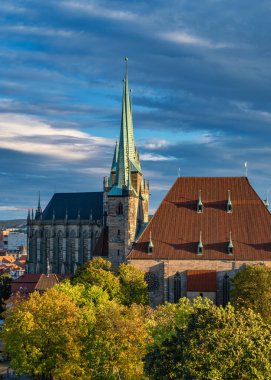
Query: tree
<point x="211" y="342"/>
<point x="252" y="289"/>
<point x="98" y="272"/>
<point x="44" y="336"/>
<point x="117" y="344"/>
<point x="133" y="286"/>
<point x="5" y="289"/>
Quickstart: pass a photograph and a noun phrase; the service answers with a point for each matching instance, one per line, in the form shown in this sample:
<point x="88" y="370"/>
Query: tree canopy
<point x="210" y="342"/>
<point x="252" y="289"/>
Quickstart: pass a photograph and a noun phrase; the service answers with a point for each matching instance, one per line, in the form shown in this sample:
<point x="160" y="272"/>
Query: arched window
<point x="60" y="248"/>
<point x="85" y="246"/>
<point x="226" y="289"/>
<point x="177" y="287"/>
<point x="120" y="209"/>
<point x="71" y="256"/>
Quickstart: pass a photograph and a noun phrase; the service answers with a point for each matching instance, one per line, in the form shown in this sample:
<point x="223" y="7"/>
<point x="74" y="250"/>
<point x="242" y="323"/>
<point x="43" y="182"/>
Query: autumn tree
<point x="252" y="289"/>
<point x="98" y="272"/>
<point x="44" y="336"/>
<point x="133" y="287"/>
<point x="211" y="342"/>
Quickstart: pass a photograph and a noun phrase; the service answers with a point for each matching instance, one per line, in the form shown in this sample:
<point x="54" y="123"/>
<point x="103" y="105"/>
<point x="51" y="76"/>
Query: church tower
<point x="126" y="193"/>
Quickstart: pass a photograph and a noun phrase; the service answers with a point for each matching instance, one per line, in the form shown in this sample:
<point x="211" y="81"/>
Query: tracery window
<point x="226" y="289"/>
<point x="120" y="209"/>
<point x="177" y="287"/>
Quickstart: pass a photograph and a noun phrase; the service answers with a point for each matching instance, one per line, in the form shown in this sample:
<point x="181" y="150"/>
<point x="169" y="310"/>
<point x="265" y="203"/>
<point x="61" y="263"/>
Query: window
<point x="120" y="209"/>
<point x="118" y="252"/>
<point x="226" y="289"/>
<point x="177" y="287"/>
<point x="118" y="232"/>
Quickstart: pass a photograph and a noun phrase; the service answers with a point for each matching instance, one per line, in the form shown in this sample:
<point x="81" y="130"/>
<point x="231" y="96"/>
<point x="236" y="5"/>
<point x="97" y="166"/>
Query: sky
<point x="201" y="93"/>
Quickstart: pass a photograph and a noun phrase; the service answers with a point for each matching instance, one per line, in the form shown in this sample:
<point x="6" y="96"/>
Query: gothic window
<point x="120" y="209"/>
<point x="46" y="248"/>
<point x="177" y="287"/>
<point x="72" y="250"/>
<point x="96" y="237"/>
<point x="60" y="247"/>
<point x="85" y="246"/>
<point x="226" y="289"/>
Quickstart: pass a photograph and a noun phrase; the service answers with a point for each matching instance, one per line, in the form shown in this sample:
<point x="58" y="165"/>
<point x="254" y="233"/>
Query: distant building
<point x="204" y="231"/>
<point x="28" y="283"/>
<point x="74" y="227"/>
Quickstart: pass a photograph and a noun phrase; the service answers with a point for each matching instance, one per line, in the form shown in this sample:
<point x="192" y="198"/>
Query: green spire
<point x="127" y="160"/>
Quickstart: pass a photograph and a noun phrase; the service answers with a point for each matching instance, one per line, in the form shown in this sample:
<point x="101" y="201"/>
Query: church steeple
<point x="38" y="210"/>
<point x="127" y="159"/>
<point x="126" y="195"/>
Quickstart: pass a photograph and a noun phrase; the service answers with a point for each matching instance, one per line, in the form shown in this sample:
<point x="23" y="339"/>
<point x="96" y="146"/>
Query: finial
<point x="90" y="215"/>
<point x="150" y="246"/>
<point x="230" y="246"/>
<point x="28" y="215"/>
<point x="200" y="245"/>
<point x="78" y="214"/>
<point x="266" y="201"/>
<point x="179" y="172"/>
<point x="126" y="64"/>
<point x="54" y="215"/>
<point x="66" y="214"/>
<point x="246" y="166"/>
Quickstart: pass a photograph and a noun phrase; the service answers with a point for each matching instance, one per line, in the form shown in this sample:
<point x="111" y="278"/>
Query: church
<point x="75" y="227"/>
<point x="204" y="231"/>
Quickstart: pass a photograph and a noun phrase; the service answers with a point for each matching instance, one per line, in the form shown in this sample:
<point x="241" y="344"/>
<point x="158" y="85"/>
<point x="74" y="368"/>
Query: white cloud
<point x="96" y="10"/>
<point x="12" y="208"/>
<point x="156" y="144"/>
<point x="38" y="30"/>
<point x="29" y="135"/>
<point x="156" y="157"/>
<point x="185" y="38"/>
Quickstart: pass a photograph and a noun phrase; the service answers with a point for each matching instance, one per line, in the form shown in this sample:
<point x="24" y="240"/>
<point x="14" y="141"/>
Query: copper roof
<point x="201" y="280"/>
<point x="176" y="225"/>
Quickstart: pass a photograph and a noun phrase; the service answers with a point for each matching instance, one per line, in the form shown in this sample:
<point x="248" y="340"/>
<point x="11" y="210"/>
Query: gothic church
<point x="74" y="227"/>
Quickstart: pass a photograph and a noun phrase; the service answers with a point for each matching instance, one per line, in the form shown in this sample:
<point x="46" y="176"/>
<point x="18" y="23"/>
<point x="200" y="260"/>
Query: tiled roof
<point x="72" y="202"/>
<point x="101" y="248"/>
<point x="201" y="280"/>
<point x="30" y="282"/>
<point x="175" y="227"/>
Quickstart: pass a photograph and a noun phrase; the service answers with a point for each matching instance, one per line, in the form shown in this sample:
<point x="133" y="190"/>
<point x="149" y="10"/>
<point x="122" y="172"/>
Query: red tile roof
<point x="30" y="282"/>
<point x="201" y="281"/>
<point x="176" y="225"/>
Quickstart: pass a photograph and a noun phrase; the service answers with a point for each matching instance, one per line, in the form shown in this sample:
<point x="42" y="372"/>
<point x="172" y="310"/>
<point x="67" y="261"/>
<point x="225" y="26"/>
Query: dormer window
<point x="200" y="246"/>
<point x="150" y="246"/>
<point x="120" y="209"/>
<point x="229" y="204"/>
<point x="230" y="246"/>
<point x="200" y="204"/>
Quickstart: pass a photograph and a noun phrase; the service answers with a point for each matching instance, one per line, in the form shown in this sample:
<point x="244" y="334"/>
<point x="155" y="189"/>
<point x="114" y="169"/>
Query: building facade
<point x="204" y="231"/>
<point x="74" y="227"/>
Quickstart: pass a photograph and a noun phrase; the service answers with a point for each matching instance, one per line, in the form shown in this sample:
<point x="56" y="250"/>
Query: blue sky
<point x="201" y="93"/>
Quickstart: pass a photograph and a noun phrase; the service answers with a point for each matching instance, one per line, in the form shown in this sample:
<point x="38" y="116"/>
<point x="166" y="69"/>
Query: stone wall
<point x="171" y="267"/>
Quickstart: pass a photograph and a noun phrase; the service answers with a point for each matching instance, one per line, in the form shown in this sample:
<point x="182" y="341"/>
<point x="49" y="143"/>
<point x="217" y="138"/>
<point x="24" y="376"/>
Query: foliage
<point x="97" y="272"/>
<point x="252" y="289"/>
<point x="128" y="286"/>
<point x="133" y="286"/>
<point x="5" y="289"/>
<point x="210" y="342"/>
<point x="117" y="344"/>
<point x="44" y="336"/>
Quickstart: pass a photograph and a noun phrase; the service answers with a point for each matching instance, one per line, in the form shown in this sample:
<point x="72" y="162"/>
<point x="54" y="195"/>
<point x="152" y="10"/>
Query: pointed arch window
<point x="226" y="289"/>
<point x="177" y="286"/>
<point x="120" y="208"/>
<point x="85" y="246"/>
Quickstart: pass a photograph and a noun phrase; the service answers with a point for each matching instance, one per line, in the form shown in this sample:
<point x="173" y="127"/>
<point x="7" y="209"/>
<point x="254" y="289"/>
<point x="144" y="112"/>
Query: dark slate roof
<point x="72" y="202"/>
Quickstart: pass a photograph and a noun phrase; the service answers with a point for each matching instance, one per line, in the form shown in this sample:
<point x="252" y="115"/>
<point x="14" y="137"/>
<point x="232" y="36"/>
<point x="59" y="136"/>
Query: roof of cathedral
<point x="177" y="225"/>
<point x="73" y="205"/>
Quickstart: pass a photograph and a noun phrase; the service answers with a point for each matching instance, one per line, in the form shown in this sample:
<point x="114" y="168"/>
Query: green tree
<point x="5" y="289"/>
<point x="44" y="336"/>
<point x="133" y="286"/>
<point x="211" y="342"/>
<point x="117" y="344"/>
<point x="98" y="272"/>
<point x="252" y="289"/>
